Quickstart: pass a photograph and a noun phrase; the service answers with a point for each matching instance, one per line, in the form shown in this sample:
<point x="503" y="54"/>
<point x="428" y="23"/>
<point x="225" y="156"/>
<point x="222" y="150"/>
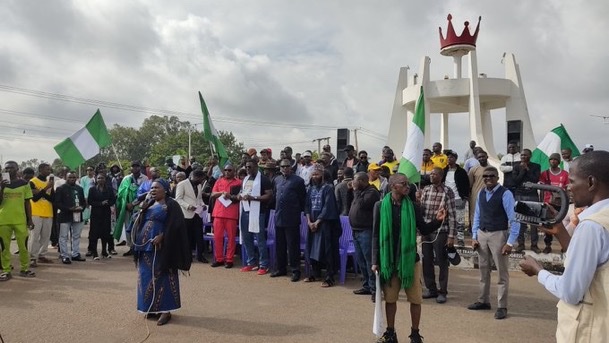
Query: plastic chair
<point x="304" y="229"/>
<point x="346" y="248"/>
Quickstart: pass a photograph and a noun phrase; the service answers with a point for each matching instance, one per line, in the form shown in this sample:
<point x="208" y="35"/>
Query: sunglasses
<point x="228" y="170"/>
<point x="286" y="166"/>
<point x="488" y="176"/>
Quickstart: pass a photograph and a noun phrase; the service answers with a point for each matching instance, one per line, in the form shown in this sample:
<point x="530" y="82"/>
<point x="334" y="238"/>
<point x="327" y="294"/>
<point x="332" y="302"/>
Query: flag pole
<point x="117" y="159"/>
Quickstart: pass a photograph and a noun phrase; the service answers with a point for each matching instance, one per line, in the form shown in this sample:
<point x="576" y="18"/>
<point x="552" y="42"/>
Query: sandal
<point x="27" y="273"/>
<point x="309" y="279"/>
<point x="5" y="276"/>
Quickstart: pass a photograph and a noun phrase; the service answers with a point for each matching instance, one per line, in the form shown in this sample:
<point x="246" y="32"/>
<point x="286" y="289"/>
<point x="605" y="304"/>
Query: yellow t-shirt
<point x="42" y="207"/>
<point x="391" y="165"/>
<point x="440" y="161"/>
<point x="376" y="183"/>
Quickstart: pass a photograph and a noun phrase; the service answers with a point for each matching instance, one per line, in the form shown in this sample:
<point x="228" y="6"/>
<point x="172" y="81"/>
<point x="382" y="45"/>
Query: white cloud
<point x="321" y="63"/>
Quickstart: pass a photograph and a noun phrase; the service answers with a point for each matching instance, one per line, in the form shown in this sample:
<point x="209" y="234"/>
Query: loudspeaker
<point x="342" y="140"/>
<point x="514" y="133"/>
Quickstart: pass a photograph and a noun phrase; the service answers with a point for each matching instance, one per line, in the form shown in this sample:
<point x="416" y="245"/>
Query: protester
<point x="582" y="287"/>
<point x="344" y="193"/>
<point x="101" y="198"/>
<point x="15" y="219"/>
<point x="554" y="176"/>
<point x="526" y="171"/>
<point x="161" y="248"/>
<point x="42" y="214"/>
<point x="70" y="200"/>
<point x="225" y="215"/>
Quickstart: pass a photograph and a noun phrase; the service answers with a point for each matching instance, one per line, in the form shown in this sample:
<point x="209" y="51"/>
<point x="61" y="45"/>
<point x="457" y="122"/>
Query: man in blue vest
<point x="493" y="217"/>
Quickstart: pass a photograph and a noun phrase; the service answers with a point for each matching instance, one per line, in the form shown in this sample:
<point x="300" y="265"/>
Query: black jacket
<point x="362" y="208"/>
<point x="65" y="197"/>
<point x="344" y="197"/>
<point x="461" y="180"/>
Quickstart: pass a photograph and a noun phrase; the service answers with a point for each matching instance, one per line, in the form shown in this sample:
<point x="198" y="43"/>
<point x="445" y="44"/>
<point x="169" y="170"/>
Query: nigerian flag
<point x="211" y="134"/>
<point x="85" y="143"/>
<point x="555" y="141"/>
<point x="412" y="157"/>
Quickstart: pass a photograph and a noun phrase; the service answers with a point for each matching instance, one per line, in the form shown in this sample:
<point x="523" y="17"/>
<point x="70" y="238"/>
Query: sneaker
<point x="415" y="337"/>
<point x="535" y="249"/>
<point x="547" y="249"/>
<point x="33" y="263"/>
<point x="78" y="258"/>
<point x="501" y="313"/>
<point x="113" y="252"/>
<point x="66" y="260"/>
<point x="262" y="271"/>
<point x="248" y="268"/>
<point x="430" y="294"/>
<point x="441" y="299"/>
<point x="388" y="337"/>
<point x="96" y="258"/>
<point x="27" y="273"/>
<point x="217" y="264"/>
<point x="229" y="265"/>
<point x="5" y="276"/>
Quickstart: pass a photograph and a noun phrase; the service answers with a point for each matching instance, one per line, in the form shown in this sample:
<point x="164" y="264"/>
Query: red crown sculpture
<point x="465" y="38"/>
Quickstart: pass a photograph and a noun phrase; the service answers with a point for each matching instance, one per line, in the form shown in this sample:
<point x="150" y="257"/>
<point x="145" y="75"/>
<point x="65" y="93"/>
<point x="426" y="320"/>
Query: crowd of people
<point x="162" y="219"/>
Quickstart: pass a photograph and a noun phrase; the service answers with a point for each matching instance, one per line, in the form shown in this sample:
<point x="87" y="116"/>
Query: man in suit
<point x="189" y="195"/>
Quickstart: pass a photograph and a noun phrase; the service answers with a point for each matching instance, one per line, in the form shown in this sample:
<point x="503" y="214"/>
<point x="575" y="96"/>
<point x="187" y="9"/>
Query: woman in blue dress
<point x="161" y="248"/>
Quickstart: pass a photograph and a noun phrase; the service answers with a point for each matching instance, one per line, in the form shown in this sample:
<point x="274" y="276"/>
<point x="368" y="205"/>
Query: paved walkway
<point x="94" y="301"/>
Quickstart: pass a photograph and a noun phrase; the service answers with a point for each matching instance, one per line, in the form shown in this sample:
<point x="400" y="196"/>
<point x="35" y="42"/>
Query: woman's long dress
<point x="161" y="292"/>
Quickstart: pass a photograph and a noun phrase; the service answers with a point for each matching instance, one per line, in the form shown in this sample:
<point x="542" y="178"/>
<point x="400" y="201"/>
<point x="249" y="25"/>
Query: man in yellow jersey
<point x="42" y="214"/>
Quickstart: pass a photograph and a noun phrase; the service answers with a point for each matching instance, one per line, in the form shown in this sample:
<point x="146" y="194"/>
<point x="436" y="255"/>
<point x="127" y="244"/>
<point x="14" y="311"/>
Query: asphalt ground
<point x="94" y="301"/>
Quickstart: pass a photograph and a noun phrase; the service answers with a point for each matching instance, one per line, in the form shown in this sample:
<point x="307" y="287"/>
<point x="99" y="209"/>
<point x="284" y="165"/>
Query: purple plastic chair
<point x="304" y="229"/>
<point x="346" y="248"/>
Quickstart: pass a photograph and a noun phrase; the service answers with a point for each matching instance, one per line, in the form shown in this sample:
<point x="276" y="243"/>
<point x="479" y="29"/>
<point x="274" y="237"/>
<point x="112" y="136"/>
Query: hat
<point x="269" y="165"/>
<point x="349" y="148"/>
<point x="373" y="166"/>
<point x="555" y="156"/>
<point x="264" y="151"/>
<point x="251" y="151"/>
<point x="136" y="163"/>
<point x="307" y="153"/>
<point x="588" y="147"/>
<point x="453" y="256"/>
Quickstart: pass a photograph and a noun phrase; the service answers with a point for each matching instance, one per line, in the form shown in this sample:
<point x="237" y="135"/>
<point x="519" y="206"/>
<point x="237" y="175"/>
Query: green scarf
<point x="408" y="242"/>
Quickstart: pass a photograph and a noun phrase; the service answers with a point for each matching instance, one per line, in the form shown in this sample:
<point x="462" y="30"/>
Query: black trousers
<point x="194" y="227"/>
<point x="287" y="245"/>
<point x="431" y="250"/>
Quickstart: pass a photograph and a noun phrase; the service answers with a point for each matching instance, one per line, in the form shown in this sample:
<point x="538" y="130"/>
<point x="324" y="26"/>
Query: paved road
<point x="94" y="301"/>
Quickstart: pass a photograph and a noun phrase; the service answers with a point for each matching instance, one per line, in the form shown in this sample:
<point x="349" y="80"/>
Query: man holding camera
<point x="583" y="313"/>
<point x="493" y="217"/>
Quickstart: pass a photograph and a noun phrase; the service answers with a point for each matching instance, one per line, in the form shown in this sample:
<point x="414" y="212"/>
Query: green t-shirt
<point x="12" y="208"/>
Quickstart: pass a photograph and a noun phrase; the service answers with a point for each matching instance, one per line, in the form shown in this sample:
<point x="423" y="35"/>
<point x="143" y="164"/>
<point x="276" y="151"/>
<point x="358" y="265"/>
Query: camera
<point x="538" y="213"/>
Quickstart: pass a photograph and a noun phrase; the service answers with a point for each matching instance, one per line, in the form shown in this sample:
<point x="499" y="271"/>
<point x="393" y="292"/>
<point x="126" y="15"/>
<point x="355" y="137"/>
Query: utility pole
<point x="355" y="136"/>
<point x="327" y="139"/>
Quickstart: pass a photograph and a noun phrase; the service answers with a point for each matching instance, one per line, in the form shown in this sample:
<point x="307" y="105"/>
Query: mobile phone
<point x="6" y="176"/>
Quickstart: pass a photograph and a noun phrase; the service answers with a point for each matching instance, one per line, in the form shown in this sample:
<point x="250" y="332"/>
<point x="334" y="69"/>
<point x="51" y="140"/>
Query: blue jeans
<point x="248" y="240"/>
<point x="362" y="240"/>
<point x="64" y="231"/>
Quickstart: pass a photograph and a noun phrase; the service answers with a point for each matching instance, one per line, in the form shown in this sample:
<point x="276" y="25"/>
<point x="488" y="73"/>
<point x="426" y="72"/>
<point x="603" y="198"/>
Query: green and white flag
<point x="211" y="134"/>
<point x="85" y="143"/>
<point x="412" y="157"/>
<point x="555" y="141"/>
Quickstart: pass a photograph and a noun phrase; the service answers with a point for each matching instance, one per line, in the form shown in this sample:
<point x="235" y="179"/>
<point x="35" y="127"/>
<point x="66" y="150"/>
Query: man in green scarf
<point x="394" y="252"/>
<point x="126" y="201"/>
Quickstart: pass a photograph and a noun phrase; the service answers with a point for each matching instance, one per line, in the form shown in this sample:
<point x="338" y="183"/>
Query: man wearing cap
<point x="456" y="179"/>
<point x="265" y="156"/>
<point x="556" y="177"/>
<point x="588" y="148"/>
<point x="330" y="164"/>
<point x="126" y="201"/>
<point x="350" y="160"/>
<point x="375" y="178"/>
<point x="439" y="159"/>
<point x="287" y="151"/>
<point x="306" y="169"/>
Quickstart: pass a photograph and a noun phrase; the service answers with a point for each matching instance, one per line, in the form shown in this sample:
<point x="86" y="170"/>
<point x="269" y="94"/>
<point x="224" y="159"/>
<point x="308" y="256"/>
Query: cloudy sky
<point x="306" y="67"/>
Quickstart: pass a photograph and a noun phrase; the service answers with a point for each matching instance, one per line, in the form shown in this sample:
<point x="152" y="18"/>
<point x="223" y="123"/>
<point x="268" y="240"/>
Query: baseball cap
<point x="307" y="153"/>
<point x="251" y="151"/>
<point x="373" y="166"/>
